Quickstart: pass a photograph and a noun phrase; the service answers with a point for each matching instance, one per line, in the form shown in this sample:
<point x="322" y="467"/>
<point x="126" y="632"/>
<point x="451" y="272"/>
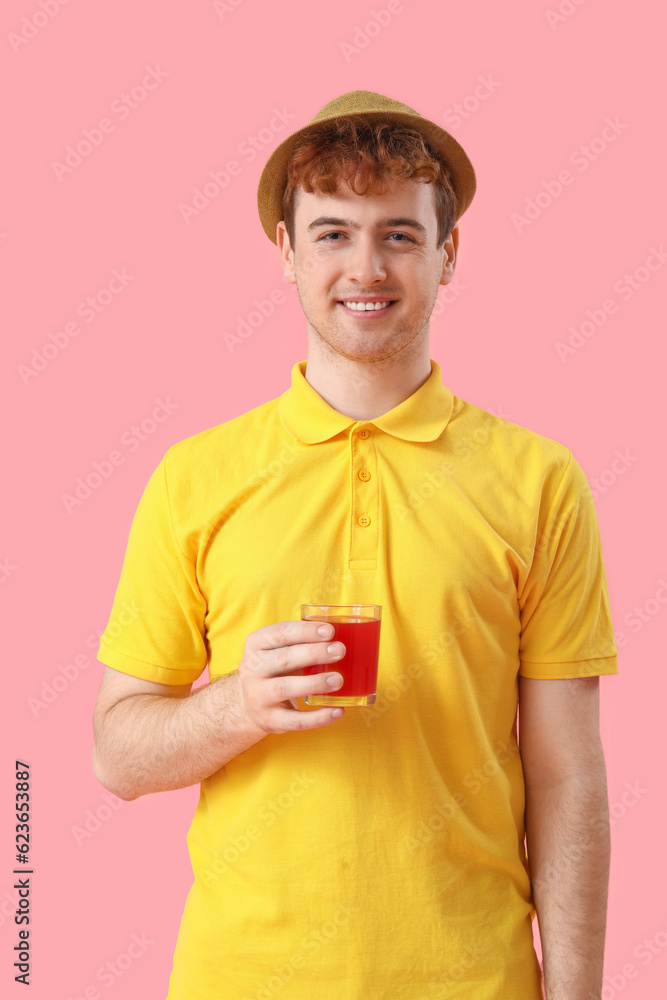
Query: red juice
<point x="359" y="665"/>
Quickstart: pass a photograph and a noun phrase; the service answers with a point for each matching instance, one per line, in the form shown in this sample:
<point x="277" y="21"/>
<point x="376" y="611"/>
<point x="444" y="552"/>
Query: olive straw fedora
<point x="374" y="107"/>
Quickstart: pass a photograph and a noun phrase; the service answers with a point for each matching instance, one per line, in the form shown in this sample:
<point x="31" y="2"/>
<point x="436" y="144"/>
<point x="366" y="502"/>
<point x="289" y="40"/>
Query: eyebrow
<point x="328" y="220"/>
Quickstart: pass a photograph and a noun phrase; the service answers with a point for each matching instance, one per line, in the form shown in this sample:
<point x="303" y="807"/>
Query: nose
<point x="364" y="263"/>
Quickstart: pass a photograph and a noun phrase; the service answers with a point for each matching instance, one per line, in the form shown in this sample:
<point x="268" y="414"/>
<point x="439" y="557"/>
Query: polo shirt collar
<point x="421" y="417"/>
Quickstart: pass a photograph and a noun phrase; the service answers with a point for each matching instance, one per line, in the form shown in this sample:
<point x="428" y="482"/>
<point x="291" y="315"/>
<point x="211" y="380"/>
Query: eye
<point x="326" y="237"/>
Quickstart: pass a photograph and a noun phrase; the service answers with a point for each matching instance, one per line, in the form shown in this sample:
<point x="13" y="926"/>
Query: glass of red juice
<point x="357" y="626"/>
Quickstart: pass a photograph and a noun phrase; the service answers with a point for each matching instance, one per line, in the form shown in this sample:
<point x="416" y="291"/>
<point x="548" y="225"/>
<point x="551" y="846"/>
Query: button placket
<point x="364" y="505"/>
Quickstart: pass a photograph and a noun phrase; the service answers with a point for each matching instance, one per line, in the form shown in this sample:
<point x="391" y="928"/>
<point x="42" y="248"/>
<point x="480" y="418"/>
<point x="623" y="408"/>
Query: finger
<point x="285" y="687"/>
<point x="288" y="633"/>
<point x="289" y="659"/>
<point x="288" y="720"/>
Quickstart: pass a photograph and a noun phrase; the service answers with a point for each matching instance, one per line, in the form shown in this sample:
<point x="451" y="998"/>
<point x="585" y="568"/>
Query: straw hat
<point x="375" y="107"/>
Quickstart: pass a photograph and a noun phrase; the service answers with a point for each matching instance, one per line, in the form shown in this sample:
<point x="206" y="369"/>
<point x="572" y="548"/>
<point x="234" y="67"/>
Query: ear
<point x="286" y="252"/>
<point x="451" y="250"/>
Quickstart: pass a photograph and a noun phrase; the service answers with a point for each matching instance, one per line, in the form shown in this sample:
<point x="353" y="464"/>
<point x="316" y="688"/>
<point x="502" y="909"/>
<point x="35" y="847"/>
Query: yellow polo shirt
<point x="380" y="857"/>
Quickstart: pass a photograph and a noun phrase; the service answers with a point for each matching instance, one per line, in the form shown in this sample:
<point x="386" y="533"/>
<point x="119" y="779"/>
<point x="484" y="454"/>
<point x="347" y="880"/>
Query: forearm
<point x="150" y="743"/>
<point x="567" y="832"/>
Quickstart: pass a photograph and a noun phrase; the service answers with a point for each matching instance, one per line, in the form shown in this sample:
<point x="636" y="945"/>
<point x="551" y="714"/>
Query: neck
<point x="364" y="390"/>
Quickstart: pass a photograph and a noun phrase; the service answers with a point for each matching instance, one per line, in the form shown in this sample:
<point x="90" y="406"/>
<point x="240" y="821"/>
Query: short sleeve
<point x="566" y="625"/>
<point x="156" y="629"/>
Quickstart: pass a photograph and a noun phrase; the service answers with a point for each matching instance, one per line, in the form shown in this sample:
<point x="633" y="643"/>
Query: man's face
<point x="349" y="247"/>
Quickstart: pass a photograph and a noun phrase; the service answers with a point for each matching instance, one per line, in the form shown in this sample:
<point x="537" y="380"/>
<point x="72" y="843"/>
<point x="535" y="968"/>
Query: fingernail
<point x="325" y="630"/>
<point x="333" y="680"/>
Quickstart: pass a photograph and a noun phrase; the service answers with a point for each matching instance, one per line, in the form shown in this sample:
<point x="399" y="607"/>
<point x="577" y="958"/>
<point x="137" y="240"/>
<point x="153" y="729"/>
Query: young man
<point x="378" y="852"/>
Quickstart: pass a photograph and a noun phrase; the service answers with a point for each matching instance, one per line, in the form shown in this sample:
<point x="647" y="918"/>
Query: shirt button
<point x="364" y="475"/>
<point x="364" y="520"/>
<point x="364" y="433"/>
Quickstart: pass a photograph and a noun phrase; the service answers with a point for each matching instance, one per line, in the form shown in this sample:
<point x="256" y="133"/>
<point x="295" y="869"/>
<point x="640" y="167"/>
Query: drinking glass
<point x="357" y="626"/>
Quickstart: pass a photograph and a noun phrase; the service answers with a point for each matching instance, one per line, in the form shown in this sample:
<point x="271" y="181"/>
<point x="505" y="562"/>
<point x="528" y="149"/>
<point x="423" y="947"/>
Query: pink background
<point x="550" y="89"/>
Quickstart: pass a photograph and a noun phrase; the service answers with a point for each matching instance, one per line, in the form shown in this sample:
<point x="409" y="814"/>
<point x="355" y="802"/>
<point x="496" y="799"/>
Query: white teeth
<point x="367" y="306"/>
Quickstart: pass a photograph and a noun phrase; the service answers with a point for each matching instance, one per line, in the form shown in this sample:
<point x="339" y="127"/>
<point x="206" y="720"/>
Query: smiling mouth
<point x="367" y="310"/>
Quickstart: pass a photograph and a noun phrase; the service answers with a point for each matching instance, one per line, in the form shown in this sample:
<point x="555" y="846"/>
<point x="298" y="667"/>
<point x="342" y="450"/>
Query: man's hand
<point x="270" y="677"/>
